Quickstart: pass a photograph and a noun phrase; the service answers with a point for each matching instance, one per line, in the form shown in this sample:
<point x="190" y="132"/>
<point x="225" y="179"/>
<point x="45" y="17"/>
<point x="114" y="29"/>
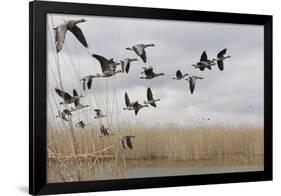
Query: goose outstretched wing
<point x="123" y="143"/>
<point x="221" y="53"/>
<point x="76" y="101"/>
<point x="129" y="142"/>
<point x="75" y="94"/>
<point x="127" y="67"/>
<point x="179" y="74"/>
<point x="149" y="94"/>
<point x="220" y="64"/>
<point x="191" y="84"/>
<point x="63" y="94"/>
<point x="84" y="85"/>
<point x="103" y="62"/>
<point x="89" y="83"/>
<point x="127" y="100"/>
<point x="143" y="56"/>
<point x="139" y="49"/>
<point x="128" y="63"/>
<point x="77" y="32"/>
<point x="204" y="57"/>
<point x="60" y="32"/>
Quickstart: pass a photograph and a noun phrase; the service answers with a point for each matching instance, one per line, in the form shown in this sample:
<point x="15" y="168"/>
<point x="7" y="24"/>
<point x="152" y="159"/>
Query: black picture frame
<point x="37" y="97"/>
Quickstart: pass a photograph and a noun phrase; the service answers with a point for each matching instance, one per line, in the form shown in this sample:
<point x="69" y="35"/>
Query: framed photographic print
<point x="128" y="97"/>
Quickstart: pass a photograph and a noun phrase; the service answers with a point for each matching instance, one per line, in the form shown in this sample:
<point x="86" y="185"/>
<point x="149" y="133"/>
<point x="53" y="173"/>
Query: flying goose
<point x="149" y="74"/>
<point x="64" y="114"/>
<point x="104" y="131"/>
<point x="71" y="25"/>
<point x="139" y="49"/>
<point x="99" y="114"/>
<point x="67" y="98"/>
<point x="150" y="99"/>
<point x="220" y="58"/>
<point x="108" y="67"/>
<point x="134" y="105"/>
<point x="80" y="124"/>
<point x="125" y="64"/>
<point x="179" y="75"/>
<point x="191" y="80"/>
<point x="127" y="142"/>
<point x="204" y="62"/>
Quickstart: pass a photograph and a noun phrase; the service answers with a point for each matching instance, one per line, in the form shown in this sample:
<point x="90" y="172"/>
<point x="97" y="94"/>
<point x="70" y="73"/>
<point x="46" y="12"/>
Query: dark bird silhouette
<point x="150" y="99"/>
<point x="134" y="105"/>
<point x="204" y="62"/>
<point x="149" y="74"/>
<point x="179" y="75"/>
<point x="127" y="142"/>
<point x="104" y="131"/>
<point x="99" y="114"/>
<point x="221" y="58"/>
<point x="80" y="124"/>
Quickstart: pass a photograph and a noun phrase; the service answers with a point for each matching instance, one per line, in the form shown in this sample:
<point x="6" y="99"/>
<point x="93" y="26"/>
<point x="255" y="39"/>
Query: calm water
<point x="145" y="168"/>
<point x="142" y="169"/>
<point x="171" y="171"/>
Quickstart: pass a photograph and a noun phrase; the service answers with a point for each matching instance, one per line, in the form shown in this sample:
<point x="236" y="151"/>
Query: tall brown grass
<point x="150" y="143"/>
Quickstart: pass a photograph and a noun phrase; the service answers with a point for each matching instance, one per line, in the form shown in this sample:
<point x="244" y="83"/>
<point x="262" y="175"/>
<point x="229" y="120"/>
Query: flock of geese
<point x="109" y="69"/>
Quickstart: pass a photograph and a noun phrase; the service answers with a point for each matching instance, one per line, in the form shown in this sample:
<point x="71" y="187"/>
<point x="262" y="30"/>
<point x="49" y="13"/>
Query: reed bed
<point x="105" y="155"/>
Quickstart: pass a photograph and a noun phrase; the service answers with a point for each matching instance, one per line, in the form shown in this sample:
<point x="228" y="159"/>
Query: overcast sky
<point x="234" y="95"/>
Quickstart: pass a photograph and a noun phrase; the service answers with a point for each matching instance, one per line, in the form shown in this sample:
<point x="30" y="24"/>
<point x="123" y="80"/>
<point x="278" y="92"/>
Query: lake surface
<point x="160" y="168"/>
<point x="171" y="171"/>
<point x="81" y="170"/>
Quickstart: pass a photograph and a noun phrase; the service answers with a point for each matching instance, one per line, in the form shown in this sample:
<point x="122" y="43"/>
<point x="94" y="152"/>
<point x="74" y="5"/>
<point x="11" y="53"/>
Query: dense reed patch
<point x="171" y="142"/>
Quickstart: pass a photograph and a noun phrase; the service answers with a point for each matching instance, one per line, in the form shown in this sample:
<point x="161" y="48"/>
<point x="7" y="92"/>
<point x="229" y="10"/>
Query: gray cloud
<point x="234" y="95"/>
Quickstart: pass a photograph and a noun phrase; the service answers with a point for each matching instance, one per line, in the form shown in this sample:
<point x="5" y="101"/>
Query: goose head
<point x="82" y="20"/>
<point x="152" y="44"/>
<point x="128" y="48"/>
